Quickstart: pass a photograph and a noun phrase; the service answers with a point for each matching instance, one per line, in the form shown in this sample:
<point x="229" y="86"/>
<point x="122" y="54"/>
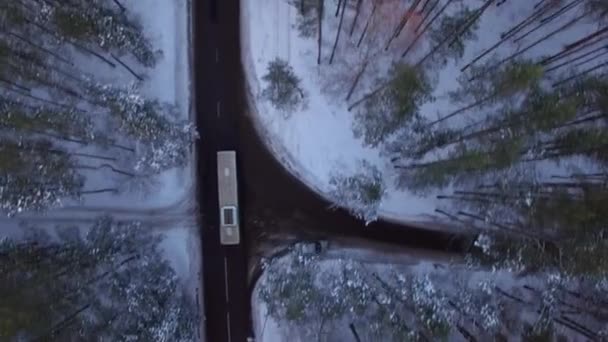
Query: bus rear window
<point x="228" y="216"/>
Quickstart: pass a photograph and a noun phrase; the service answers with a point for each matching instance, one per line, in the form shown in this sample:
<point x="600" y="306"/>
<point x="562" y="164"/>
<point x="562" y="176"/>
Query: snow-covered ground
<point x="317" y="140"/>
<point x="458" y="292"/>
<point x="170" y="199"/>
<point x="167" y="24"/>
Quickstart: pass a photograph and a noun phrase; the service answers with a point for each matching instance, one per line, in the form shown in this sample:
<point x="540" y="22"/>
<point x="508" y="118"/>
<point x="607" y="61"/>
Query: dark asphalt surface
<point x="271" y="200"/>
<point x="216" y="60"/>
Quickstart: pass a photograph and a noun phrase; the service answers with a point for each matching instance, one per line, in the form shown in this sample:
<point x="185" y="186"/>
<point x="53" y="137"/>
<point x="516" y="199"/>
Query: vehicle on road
<point x="228" y="198"/>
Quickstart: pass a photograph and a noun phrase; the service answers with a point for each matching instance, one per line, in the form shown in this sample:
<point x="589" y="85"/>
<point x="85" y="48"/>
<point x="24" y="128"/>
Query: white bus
<point x="228" y="198"/>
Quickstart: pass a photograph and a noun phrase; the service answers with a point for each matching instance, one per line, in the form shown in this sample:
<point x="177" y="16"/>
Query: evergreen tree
<point x="283" y="88"/>
<point x="112" y="284"/>
<point x="447" y="26"/>
<point x="361" y="192"/>
<point x="394" y="107"/>
<point x="307" y="17"/>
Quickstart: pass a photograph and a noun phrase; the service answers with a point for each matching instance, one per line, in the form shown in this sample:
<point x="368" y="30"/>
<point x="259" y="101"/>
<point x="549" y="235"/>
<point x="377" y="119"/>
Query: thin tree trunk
<point x="527" y="21"/>
<point x="565" y="53"/>
<point x="131" y="71"/>
<point x="323" y="319"/>
<point x="402" y="23"/>
<point x="106" y="166"/>
<point x="465" y="333"/>
<point x="338" y="7"/>
<point x="13" y="84"/>
<point x="50" y="335"/>
<point x="61" y="105"/>
<point x="369" y="19"/>
<point x="427" y="15"/>
<point x="411" y="45"/>
<point x="517" y="232"/>
<point x="51" y="53"/>
<point x="505" y="37"/>
<point x="426" y="3"/>
<point x="320" y="29"/>
<point x="333" y="50"/>
<point x="453" y="37"/>
<point x="122" y="8"/>
<point x="351" y="326"/>
<point x="472" y="21"/>
<point x="583" y="330"/>
<point x="582" y="73"/>
<point x="540" y="40"/>
<point x="575" y="66"/>
<point x="586" y="39"/>
<point x="357" y="79"/>
<point x="357" y="11"/>
<point x="605" y="47"/>
<point x="98" y="191"/>
<point x="462" y="110"/>
<point x="547" y="20"/>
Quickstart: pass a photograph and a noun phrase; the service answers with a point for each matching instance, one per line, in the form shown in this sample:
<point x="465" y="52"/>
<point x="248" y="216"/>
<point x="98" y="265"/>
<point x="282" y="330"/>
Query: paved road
<point x="216" y="43"/>
<point x="271" y="200"/>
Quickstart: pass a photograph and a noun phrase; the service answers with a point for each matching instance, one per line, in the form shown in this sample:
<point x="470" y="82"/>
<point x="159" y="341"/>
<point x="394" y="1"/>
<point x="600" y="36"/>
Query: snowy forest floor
<point x="342" y="292"/>
<point x="316" y="141"/>
<point x="167" y="201"/>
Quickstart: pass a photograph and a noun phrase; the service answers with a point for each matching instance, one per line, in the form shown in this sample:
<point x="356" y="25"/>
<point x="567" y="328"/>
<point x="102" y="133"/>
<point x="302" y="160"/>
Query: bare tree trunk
<point x="506" y="36"/>
<point x="333" y="50"/>
<point x="50" y="335"/>
<point x="353" y="330"/>
<point x="122" y="8"/>
<point x="592" y="58"/>
<point x="441" y="10"/>
<point x="453" y="38"/>
<point x="463" y="109"/>
<point x="369" y="19"/>
<point x="426" y="3"/>
<point x="428" y="14"/>
<point x="605" y="47"/>
<point x="98" y="191"/>
<point x="527" y="21"/>
<point x="540" y="40"/>
<point x="465" y="333"/>
<point x="402" y="23"/>
<point x="338" y="7"/>
<point x="472" y="21"/>
<point x="13" y="84"/>
<point x="357" y="11"/>
<point x="357" y="79"/>
<point x="565" y="53"/>
<point x="131" y="71"/>
<point x="320" y="10"/>
<point x="106" y="166"/>
<point x="582" y="73"/>
<point x="41" y="48"/>
<point x="586" y="38"/>
<point x="547" y="20"/>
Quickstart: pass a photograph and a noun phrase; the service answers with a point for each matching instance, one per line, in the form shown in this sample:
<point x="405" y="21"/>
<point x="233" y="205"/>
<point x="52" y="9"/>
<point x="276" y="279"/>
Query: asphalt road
<point x="271" y="200"/>
<point x="216" y="60"/>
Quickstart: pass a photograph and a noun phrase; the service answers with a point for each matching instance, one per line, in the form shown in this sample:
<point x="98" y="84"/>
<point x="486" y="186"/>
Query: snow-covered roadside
<point x="318" y="140"/>
<point x="315" y="142"/>
<point x="336" y="296"/>
<point x="167" y="24"/>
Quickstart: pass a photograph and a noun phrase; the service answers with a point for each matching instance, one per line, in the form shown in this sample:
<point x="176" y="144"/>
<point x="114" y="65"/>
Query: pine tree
<point x="448" y="25"/>
<point x="111" y="284"/>
<point x="394" y="107"/>
<point x="283" y="88"/>
<point x="307" y="17"/>
<point x="361" y="192"/>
